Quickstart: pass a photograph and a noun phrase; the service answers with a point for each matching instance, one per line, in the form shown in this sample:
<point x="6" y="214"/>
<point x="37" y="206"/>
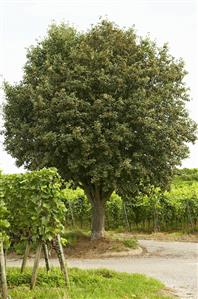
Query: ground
<point x="174" y="263"/>
<point x="81" y="246"/>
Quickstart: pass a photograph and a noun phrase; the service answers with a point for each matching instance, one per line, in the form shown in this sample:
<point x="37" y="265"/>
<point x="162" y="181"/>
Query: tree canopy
<point x="105" y="107"/>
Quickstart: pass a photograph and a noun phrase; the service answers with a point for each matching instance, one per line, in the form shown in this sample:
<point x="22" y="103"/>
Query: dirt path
<point x="174" y="263"/>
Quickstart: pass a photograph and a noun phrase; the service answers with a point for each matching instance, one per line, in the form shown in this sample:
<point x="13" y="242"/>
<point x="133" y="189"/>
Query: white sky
<point x="172" y="21"/>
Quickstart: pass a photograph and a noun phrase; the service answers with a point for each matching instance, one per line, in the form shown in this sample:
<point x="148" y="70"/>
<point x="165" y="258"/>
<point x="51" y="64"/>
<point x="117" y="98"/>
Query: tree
<point x="105" y="107"/>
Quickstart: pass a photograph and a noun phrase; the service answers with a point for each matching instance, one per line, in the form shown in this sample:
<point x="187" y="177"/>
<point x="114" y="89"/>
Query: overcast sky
<point x="172" y="21"/>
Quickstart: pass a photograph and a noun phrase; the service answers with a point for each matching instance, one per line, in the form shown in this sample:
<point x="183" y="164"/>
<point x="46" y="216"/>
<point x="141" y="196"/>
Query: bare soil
<point x="87" y="248"/>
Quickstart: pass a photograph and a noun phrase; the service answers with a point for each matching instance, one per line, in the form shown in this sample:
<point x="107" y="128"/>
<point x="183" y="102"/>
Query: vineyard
<point x="176" y="209"/>
<point x="31" y="209"/>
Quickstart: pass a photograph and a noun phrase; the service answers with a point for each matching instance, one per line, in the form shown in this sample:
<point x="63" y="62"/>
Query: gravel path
<point x="174" y="263"/>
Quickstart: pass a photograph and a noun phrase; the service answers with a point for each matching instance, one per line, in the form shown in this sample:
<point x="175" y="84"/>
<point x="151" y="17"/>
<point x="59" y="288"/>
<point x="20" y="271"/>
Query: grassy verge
<point x="159" y="236"/>
<point x="165" y="236"/>
<point x="85" y="284"/>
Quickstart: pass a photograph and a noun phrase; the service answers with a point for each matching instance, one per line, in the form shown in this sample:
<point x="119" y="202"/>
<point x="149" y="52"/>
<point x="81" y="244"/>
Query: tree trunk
<point x="4" y="288"/>
<point x="98" y="219"/>
<point x="97" y="198"/>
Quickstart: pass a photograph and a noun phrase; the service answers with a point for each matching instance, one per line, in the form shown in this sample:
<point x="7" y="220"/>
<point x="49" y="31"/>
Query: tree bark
<point x="98" y="219"/>
<point x="97" y="199"/>
<point x="3" y="273"/>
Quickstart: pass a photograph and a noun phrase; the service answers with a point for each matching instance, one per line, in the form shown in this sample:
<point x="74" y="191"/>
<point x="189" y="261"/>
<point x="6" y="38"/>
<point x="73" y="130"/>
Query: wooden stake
<point x="25" y="257"/>
<point x="3" y="273"/>
<point x="126" y="216"/>
<point x="46" y="256"/>
<point x="72" y="214"/>
<point x="36" y="264"/>
<point x="61" y="257"/>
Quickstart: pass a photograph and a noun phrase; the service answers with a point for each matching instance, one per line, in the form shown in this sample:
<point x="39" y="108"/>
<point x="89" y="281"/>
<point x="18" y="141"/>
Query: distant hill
<point x="186" y="175"/>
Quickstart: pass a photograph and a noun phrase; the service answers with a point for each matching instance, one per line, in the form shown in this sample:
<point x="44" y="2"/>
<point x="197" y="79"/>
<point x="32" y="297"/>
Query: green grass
<point x="130" y="243"/>
<point x="73" y="236"/>
<point x="85" y="284"/>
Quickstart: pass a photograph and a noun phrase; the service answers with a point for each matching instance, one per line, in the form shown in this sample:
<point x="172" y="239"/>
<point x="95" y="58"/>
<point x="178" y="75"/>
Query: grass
<point x="161" y="236"/>
<point x="167" y="236"/>
<point x="73" y="236"/>
<point x="130" y="243"/>
<point x="85" y="284"/>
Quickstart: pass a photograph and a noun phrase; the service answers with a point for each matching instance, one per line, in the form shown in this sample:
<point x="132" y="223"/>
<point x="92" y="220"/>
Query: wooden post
<point x="36" y="264"/>
<point x="46" y="256"/>
<point x="61" y="257"/>
<point x="72" y="214"/>
<point x="126" y="216"/>
<point x="3" y="273"/>
<point x="189" y="216"/>
<point x="25" y="257"/>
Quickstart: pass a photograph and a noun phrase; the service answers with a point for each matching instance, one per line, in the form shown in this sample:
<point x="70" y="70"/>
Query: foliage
<point x="92" y="284"/>
<point x="187" y="175"/>
<point x="105" y="107"/>
<point x="114" y="211"/>
<point x="4" y="224"/>
<point x="78" y="208"/>
<point x="34" y="201"/>
<point x="173" y="209"/>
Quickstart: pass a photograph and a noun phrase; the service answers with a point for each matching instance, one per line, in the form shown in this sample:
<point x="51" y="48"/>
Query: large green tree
<point x="106" y="107"/>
